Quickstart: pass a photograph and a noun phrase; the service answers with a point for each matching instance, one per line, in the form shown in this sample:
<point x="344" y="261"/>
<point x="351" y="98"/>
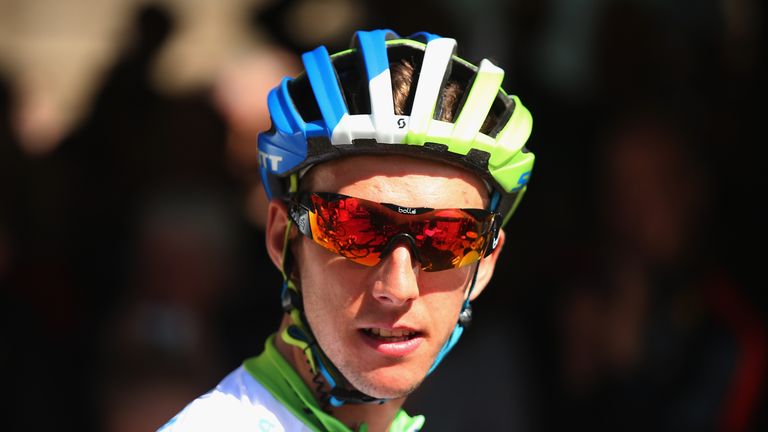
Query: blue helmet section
<point x="374" y="50"/>
<point x="423" y="37"/>
<point x="284" y="148"/>
<point x="325" y="86"/>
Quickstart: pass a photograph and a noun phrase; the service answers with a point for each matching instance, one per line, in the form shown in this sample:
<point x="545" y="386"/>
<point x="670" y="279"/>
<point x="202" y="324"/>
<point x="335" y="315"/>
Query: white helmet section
<point x="382" y="124"/>
<point x="434" y="69"/>
<point x="478" y="103"/>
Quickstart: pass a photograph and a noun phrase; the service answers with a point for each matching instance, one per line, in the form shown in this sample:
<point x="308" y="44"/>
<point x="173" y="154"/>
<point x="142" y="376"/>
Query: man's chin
<point x="386" y="386"/>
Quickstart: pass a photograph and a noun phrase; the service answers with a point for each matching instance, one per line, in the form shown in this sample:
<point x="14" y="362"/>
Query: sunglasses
<point x="365" y="231"/>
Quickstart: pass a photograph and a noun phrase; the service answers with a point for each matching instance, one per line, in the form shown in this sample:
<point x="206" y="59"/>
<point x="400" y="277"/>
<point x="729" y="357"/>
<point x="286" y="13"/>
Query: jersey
<point x="265" y="394"/>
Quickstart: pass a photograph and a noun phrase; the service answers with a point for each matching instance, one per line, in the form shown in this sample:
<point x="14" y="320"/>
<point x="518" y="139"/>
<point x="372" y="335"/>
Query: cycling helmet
<point x="343" y="105"/>
<point x="308" y="130"/>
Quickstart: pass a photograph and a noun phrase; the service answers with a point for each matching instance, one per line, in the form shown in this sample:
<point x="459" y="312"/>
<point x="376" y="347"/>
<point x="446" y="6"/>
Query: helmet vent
<point x="453" y="94"/>
<point x="351" y="72"/>
<point x="405" y="64"/>
<point x="304" y="99"/>
<point x="501" y="111"/>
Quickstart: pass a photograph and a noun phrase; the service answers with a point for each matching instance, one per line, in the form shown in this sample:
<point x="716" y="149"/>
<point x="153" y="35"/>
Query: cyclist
<point x="391" y="168"/>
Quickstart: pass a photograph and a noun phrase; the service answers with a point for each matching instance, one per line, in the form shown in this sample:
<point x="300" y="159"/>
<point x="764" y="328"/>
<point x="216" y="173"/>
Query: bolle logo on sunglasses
<point x="406" y="210"/>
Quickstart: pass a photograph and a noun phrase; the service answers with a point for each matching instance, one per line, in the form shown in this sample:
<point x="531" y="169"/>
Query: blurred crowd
<point x="133" y="273"/>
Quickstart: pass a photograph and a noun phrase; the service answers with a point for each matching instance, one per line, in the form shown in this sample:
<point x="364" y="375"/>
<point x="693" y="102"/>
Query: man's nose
<point x="396" y="281"/>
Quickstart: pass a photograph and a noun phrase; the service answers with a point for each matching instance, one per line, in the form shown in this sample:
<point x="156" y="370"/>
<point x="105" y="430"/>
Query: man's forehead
<point x="399" y="179"/>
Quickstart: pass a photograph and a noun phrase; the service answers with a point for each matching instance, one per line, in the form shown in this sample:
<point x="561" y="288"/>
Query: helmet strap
<point x="465" y="318"/>
<point x="299" y="334"/>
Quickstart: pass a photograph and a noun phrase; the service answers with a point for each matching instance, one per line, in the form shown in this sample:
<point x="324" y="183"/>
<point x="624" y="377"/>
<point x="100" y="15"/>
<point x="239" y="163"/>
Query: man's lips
<point x="392" y="342"/>
<point x="390" y="335"/>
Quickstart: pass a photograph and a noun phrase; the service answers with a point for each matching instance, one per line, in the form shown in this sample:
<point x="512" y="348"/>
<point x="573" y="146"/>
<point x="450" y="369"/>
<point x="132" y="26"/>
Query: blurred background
<point x="630" y="297"/>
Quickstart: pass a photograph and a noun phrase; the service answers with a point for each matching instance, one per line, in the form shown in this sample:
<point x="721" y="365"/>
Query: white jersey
<point x="265" y="394"/>
<point x="238" y="403"/>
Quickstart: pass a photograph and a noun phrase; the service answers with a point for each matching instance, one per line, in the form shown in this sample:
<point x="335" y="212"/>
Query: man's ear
<point x="277" y="220"/>
<point x="486" y="266"/>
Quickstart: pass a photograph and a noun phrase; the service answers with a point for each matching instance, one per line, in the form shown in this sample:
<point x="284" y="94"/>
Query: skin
<point x="341" y="298"/>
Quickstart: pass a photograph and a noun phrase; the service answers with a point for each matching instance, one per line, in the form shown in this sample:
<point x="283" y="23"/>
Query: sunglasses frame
<point x="300" y="205"/>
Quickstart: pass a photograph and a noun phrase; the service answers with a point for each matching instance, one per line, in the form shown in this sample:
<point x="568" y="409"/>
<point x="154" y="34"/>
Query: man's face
<point x="383" y="326"/>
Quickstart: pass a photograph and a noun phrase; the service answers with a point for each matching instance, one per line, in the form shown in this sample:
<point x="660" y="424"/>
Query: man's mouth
<point x="393" y="335"/>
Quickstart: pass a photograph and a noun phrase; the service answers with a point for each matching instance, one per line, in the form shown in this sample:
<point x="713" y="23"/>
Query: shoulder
<point x="238" y="403"/>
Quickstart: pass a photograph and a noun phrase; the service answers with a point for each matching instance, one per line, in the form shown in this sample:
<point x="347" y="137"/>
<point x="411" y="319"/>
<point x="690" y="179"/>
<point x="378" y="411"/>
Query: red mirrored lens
<point x="362" y="230"/>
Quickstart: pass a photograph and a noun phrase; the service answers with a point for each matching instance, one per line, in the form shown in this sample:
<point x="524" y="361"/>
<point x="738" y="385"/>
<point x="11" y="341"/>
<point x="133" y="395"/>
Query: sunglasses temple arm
<point x="494" y="237"/>
<point x="299" y="214"/>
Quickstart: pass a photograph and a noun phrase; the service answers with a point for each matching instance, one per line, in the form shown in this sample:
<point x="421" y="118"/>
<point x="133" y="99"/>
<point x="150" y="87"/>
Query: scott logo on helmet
<point x="270" y="161"/>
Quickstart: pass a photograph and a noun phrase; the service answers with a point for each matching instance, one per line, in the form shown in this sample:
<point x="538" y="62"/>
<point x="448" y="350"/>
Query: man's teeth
<point x="397" y="335"/>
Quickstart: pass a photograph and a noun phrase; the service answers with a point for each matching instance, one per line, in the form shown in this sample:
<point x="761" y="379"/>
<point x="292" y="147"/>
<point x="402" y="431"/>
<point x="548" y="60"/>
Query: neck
<point x="377" y="417"/>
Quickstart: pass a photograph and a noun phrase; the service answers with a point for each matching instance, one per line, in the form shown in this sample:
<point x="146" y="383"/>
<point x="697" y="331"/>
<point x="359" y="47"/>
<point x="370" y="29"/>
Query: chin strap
<point x="300" y="335"/>
<point x="465" y="318"/>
